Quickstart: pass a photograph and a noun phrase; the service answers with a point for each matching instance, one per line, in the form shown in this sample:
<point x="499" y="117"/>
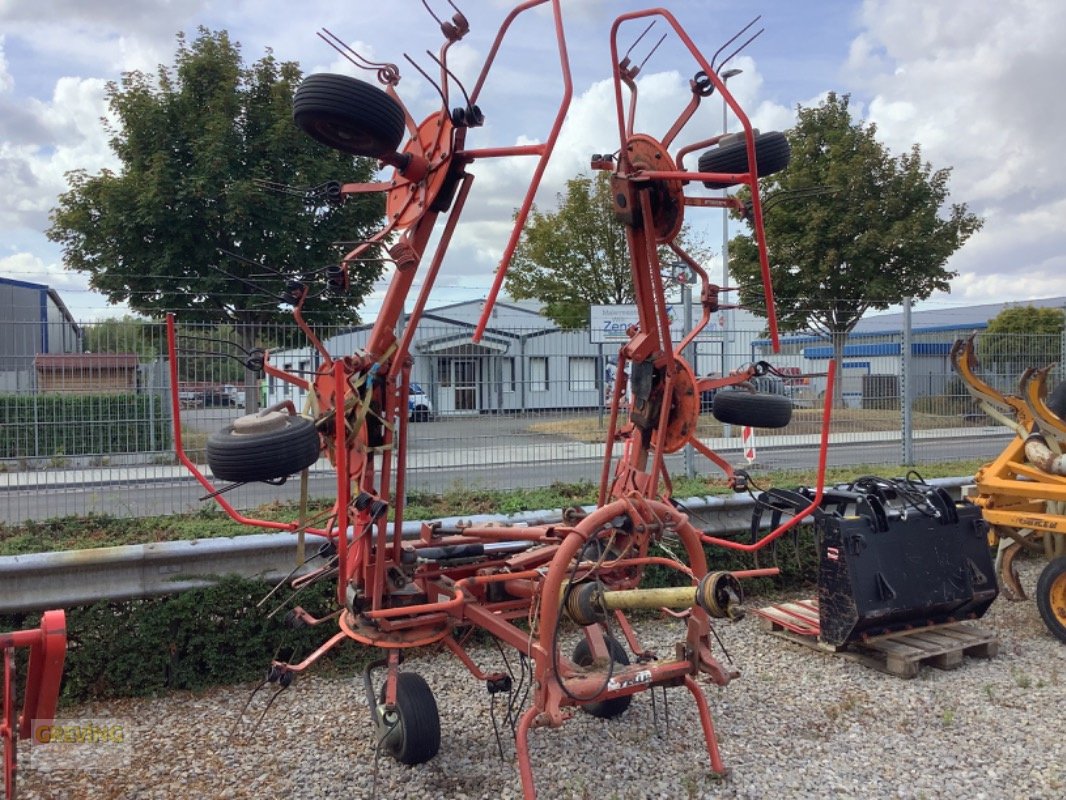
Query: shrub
<point x="58" y="425"/>
<point x="192" y="640"/>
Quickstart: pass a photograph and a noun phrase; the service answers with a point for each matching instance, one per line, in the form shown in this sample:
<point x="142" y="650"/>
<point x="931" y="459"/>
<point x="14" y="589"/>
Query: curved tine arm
<point x="1033" y="386"/>
<point x="964" y="362"/>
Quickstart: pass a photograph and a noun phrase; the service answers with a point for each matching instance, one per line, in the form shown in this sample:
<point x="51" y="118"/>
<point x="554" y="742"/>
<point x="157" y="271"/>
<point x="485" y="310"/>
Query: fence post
<point x="690" y="355"/>
<point x="905" y="386"/>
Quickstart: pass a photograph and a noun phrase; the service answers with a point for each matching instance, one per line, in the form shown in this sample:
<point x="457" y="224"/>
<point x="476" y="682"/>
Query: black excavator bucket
<point x="883" y="570"/>
<point x="894" y="554"/>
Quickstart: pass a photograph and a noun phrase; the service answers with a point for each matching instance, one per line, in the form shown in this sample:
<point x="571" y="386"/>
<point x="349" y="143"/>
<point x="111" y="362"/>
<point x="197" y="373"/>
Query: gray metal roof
<point x="960" y="317"/>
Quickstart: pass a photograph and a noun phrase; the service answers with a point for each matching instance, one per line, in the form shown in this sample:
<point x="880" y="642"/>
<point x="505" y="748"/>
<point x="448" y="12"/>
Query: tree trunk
<point x="839" y="339"/>
<point x="248" y="332"/>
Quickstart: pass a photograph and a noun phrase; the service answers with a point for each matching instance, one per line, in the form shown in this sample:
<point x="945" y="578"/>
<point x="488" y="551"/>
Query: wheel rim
<point x="1057" y="598"/>
<point x="252" y="424"/>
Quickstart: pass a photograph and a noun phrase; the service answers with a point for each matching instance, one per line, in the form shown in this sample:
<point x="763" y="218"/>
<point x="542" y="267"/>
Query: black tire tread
<point x="772" y="154"/>
<point x="419" y="720"/>
<point x="1054" y="571"/>
<point x="264" y="456"/>
<point x="757" y="409"/>
<point x="345" y="101"/>
<point x="615" y="706"/>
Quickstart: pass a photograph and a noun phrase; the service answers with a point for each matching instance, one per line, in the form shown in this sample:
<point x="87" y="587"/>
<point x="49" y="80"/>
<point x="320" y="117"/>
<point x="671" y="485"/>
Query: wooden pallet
<point x="900" y="654"/>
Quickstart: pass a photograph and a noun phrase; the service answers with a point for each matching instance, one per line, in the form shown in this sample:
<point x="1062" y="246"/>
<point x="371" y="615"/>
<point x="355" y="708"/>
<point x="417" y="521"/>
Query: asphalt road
<point x="167" y="497"/>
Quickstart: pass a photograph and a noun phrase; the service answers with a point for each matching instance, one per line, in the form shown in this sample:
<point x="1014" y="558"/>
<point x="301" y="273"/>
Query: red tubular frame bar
<point x="48" y="649"/>
<point x="545" y="149"/>
<point x="748" y="179"/>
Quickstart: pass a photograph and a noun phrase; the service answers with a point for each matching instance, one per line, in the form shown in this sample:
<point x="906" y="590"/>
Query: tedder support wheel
<point x="262" y="448"/>
<point x="1051" y="597"/>
<point x="606" y="709"/>
<point x="415" y="738"/>
<point x="772" y="155"/>
<point x="755" y="409"/>
<point x="349" y="115"/>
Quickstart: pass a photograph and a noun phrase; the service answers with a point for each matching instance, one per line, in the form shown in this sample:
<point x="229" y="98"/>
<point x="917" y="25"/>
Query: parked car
<point x="419" y="407"/>
<point x="227" y="396"/>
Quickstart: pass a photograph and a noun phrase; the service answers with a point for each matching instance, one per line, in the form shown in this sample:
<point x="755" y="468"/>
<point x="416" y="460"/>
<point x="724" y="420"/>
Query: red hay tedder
<point x="47" y="647"/>
<point x="525" y="586"/>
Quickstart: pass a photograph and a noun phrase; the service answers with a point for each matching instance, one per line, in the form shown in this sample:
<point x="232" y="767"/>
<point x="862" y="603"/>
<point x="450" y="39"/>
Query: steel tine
<point x="247" y="703"/>
<point x="1033" y="386"/>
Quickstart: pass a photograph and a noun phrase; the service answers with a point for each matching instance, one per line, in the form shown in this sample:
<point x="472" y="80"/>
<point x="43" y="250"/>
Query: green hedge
<point x="200" y="638"/>
<point x="217" y="636"/>
<point x="48" y="425"/>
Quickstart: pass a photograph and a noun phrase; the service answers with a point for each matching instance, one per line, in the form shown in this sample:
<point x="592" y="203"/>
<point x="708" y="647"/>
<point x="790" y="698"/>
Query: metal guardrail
<point x="82" y="577"/>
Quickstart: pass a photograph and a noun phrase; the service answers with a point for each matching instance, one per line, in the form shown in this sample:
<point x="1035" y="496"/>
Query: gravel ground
<point x="796" y="724"/>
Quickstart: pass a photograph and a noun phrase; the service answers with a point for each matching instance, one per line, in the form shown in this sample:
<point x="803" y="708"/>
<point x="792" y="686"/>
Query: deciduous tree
<point x="193" y="141"/>
<point x="1020" y="337"/>
<point x="878" y="233"/>
<point x="576" y="256"/>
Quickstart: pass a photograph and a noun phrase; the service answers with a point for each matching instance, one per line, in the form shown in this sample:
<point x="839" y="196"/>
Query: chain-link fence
<point x="92" y="431"/>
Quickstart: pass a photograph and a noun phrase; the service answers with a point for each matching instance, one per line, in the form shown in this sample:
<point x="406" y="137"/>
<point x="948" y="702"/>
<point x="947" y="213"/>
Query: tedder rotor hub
<point x="408" y="201"/>
<point x="645" y="154"/>
<point x="684" y="410"/>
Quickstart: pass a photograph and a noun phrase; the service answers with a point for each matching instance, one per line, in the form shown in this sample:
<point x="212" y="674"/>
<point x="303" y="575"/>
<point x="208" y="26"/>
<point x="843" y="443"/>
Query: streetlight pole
<point x="728" y="335"/>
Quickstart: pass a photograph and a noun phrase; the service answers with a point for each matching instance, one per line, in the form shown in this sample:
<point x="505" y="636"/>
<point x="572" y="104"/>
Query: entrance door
<point x="457" y="379"/>
<point x="465" y="384"/>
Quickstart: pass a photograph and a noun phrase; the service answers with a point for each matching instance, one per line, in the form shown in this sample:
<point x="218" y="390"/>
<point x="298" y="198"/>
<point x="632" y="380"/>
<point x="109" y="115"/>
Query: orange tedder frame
<point x="523" y="584"/>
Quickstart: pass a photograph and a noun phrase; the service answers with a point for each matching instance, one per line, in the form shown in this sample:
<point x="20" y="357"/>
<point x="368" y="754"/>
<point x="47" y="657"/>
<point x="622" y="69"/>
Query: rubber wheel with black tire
<point x="772" y="154"/>
<point x="416" y="738"/>
<point x="752" y="408"/>
<point x="419" y="414"/>
<point x="1051" y="597"/>
<point x="604" y="709"/>
<point x="264" y="456"/>
<point x="349" y="115"/>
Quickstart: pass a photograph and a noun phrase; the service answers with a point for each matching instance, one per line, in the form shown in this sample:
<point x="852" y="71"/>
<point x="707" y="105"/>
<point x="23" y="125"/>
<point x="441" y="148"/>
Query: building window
<point x="538" y="373"/>
<point x="582" y="373"/>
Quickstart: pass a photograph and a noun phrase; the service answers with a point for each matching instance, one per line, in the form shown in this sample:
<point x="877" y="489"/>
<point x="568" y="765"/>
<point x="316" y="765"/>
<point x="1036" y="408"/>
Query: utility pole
<point x="905" y="394"/>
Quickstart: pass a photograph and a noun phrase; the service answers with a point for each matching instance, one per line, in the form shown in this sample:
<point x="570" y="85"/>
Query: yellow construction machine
<point x="1022" y="493"/>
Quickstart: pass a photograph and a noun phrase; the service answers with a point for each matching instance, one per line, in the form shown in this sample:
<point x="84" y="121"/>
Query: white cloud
<point x="978" y="91"/>
<point x="7" y="83"/>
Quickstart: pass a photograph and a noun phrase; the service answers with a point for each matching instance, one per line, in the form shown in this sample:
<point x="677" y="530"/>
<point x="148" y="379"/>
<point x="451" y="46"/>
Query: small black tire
<point x="604" y="709"/>
<point x="420" y="414"/>
<point x="1051" y="597"/>
<point x="417" y="737"/>
<point x="772" y="154"/>
<point x="756" y="409"/>
<point x="272" y="454"/>
<point x="349" y="115"/>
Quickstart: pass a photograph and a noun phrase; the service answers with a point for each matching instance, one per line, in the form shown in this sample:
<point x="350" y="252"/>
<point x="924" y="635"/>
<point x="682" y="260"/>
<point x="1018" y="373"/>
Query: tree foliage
<point x="876" y="235"/>
<point x="1020" y="337"/>
<point x="127" y="334"/>
<point x="192" y="141"/>
<point x="576" y="256"/>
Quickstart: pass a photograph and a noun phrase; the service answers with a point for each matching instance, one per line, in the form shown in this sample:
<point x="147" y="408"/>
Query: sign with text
<point x="609" y="324"/>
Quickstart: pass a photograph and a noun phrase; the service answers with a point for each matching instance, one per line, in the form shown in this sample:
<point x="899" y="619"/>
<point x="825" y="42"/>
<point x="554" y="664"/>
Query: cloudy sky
<point x="973" y="83"/>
